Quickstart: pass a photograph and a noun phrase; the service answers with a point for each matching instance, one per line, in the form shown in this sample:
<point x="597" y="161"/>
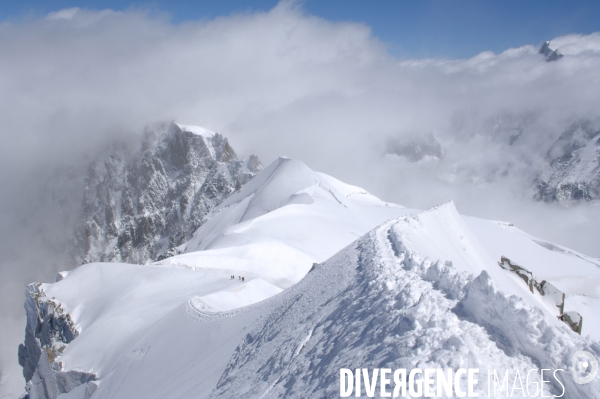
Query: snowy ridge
<point x="421" y="290"/>
<point x="300" y="218"/>
<point x="281" y="222"/>
<point x="383" y="302"/>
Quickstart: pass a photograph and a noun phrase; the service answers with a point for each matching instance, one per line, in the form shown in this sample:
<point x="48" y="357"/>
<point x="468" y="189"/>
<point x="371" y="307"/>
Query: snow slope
<point x="417" y="292"/>
<point x="281" y="222"/>
<point x="271" y="232"/>
<point x="575" y="274"/>
<point x="420" y="290"/>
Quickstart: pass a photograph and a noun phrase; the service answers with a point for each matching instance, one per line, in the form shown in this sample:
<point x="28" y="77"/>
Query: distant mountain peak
<point x="573" y="173"/>
<point x="141" y="203"/>
<point x="551" y="55"/>
<point x="200" y="131"/>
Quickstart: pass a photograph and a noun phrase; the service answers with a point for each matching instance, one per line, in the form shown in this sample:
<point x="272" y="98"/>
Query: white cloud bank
<point x="286" y="83"/>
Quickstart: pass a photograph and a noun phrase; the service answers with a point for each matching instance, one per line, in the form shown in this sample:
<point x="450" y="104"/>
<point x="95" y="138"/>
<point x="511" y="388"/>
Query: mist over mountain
<point x="330" y="86"/>
<point x="503" y="135"/>
<point x="138" y="204"/>
<point x="430" y="289"/>
<point x="135" y="200"/>
<point x="574" y="170"/>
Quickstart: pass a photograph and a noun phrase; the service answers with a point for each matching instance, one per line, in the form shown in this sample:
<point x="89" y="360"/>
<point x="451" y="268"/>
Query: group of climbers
<point x="239" y="278"/>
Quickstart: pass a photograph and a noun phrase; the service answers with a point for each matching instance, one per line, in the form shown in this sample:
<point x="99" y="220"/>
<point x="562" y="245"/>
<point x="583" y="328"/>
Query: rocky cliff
<point x="49" y="330"/>
<point x="574" y="165"/>
<point x="139" y="204"/>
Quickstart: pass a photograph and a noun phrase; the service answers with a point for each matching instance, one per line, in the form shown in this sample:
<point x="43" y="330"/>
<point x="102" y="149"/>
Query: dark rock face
<point x="574" y="166"/>
<point x="49" y="330"/>
<point x="415" y="148"/>
<point x="551" y="55"/>
<point x="139" y="205"/>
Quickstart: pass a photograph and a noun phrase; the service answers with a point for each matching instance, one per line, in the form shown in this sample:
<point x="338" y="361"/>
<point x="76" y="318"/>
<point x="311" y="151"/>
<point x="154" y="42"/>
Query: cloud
<point x="283" y="83"/>
<point x="67" y="13"/>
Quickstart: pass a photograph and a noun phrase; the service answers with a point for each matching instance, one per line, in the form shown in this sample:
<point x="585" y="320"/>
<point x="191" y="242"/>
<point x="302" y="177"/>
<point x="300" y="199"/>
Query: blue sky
<point x="427" y="28"/>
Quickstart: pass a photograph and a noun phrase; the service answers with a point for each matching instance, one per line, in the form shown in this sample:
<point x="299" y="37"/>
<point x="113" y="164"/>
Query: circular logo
<point x="585" y="367"/>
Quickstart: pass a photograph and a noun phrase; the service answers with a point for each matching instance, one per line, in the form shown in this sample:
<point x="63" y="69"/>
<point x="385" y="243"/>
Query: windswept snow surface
<point x="282" y="221"/>
<point x="236" y="297"/>
<point x="418" y="292"/>
<point x="421" y="290"/>
<point x="271" y="232"/>
<point x="200" y="131"/>
<point x="575" y="274"/>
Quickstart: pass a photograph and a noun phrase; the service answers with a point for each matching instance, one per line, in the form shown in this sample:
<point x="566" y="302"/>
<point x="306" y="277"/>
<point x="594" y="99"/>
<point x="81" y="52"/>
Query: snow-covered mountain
<point x="574" y="167"/>
<point x="422" y="291"/>
<point x="271" y="232"/>
<point x="282" y="222"/>
<point x="333" y="277"/>
<point x="139" y="204"/>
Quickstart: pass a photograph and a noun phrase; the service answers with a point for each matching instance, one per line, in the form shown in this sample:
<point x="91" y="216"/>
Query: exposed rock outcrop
<point x="551" y="55"/>
<point x="49" y="330"/>
<point x="573" y="320"/>
<point x="140" y="204"/>
<point x="414" y="148"/>
<point x="574" y="172"/>
<point x="547" y="290"/>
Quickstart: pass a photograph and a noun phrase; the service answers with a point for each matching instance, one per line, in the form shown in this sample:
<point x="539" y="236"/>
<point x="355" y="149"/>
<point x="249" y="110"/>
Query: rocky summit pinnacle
<point x="139" y="206"/>
<point x="551" y="55"/>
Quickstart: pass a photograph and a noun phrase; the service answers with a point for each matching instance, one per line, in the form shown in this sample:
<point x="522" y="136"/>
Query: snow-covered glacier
<point x="420" y="291"/>
<point x="333" y="278"/>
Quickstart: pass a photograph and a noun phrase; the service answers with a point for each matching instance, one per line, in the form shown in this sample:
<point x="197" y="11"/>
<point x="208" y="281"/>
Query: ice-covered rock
<point x="414" y="147"/>
<point x="50" y="328"/>
<point x="574" y="165"/>
<point x="573" y="320"/>
<point x="141" y="203"/>
<point x="550" y="293"/>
